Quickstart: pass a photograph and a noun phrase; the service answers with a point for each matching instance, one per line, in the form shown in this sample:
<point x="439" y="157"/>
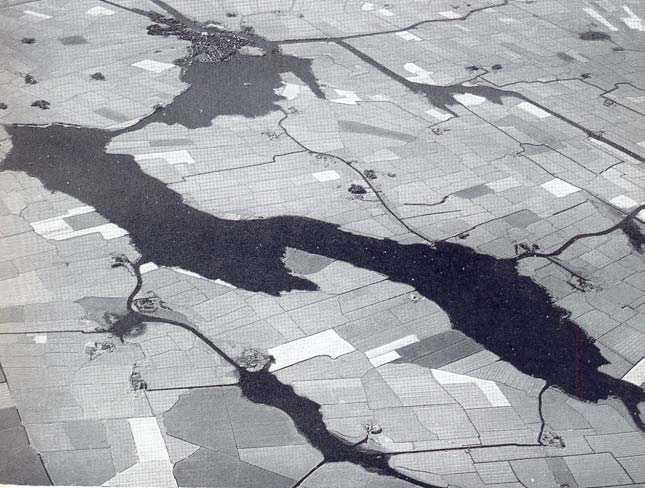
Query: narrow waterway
<point x="263" y="387"/>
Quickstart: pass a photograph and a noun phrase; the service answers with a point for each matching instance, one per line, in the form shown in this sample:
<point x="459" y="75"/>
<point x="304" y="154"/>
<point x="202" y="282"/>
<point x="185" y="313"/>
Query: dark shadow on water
<point x="484" y="297"/>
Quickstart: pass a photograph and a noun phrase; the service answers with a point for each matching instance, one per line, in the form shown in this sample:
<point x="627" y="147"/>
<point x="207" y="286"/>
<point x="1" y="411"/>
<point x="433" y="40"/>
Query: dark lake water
<point x="484" y="297"/>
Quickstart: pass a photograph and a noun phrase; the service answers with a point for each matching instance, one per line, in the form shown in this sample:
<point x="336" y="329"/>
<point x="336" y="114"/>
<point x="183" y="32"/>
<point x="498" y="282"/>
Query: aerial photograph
<point x="322" y="243"/>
